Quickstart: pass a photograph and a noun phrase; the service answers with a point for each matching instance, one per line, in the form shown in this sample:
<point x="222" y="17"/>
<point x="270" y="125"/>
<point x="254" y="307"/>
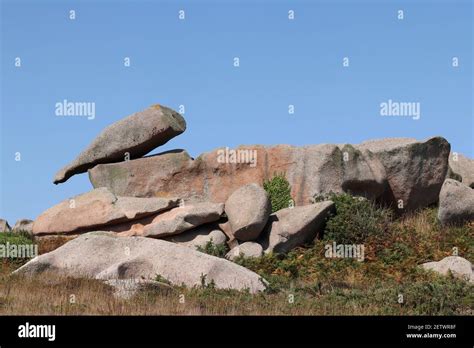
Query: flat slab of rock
<point x="456" y="203"/>
<point x="458" y="266"/>
<point x="133" y="136"/>
<point x="4" y="226"/>
<point x="247" y="210"/>
<point x="462" y="167"/>
<point x="247" y="249"/>
<point x="97" y="209"/>
<point x="177" y="220"/>
<point x="104" y="255"/>
<point x="292" y="227"/>
<point x="415" y="170"/>
<point x="199" y="237"/>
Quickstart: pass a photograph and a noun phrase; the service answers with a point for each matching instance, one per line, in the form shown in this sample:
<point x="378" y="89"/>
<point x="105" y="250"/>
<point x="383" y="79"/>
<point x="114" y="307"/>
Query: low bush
<point x="355" y="219"/>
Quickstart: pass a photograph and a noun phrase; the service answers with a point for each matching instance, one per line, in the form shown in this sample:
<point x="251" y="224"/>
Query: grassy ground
<point x="304" y="282"/>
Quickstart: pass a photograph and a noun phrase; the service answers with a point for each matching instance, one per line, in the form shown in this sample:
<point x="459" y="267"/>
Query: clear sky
<point x="190" y="62"/>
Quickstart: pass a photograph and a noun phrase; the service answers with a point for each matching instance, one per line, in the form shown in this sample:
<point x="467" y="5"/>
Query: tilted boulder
<point x="132" y="137"/>
<point x="176" y="220"/>
<point x="247" y="250"/>
<point x="292" y="227"/>
<point x="98" y="208"/>
<point x="461" y="169"/>
<point x="214" y="176"/>
<point x="458" y="266"/>
<point x="4" y="226"/>
<point x="199" y="237"/>
<point x="247" y="210"/>
<point x="415" y="170"/>
<point x="103" y="255"/>
<point x="456" y="203"/>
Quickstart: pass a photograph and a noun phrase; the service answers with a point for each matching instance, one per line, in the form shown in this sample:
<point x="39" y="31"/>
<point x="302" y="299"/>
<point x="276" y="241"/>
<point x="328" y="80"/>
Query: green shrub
<point x="355" y="219"/>
<point x="213" y="249"/>
<point x="279" y="190"/>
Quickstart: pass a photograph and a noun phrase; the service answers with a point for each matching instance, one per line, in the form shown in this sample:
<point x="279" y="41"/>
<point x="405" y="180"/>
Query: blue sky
<point x="190" y="62"/>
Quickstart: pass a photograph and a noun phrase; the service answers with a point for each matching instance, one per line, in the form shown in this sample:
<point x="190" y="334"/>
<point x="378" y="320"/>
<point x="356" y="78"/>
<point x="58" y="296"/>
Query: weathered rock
<point x="125" y="289"/>
<point x="104" y="255"/>
<point x="247" y="249"/>
<point x="310" y="170"/>
<point x="461" y="168"/>
<point x="456" y="203"/>
<point x="248" y="209"/>
<point x="224" y="226"/>
<point x="177" y="220"/>
<point x="25" y="225"/>
<point x="133" y="136"/>
<point x="292" y="227"/>
<point x="97" y="209"/>
<point x="458" y="266"/>
<point x="4" y="226"/>
<point x="199" y="237"/>
<point x="415" y="170"/>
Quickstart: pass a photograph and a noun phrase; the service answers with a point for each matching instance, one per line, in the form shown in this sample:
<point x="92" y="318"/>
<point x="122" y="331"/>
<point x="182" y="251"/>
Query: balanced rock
<point x="462" y="168"/>
<point x="177" y="220"/>
<point x="97" y="209"/>
<point x="132" y="137"/>
<point x="199" y="237"/>
<point x="25" y="225"/>
<point x="456" y="203"/>
<point x="247" y="250"/>
<point x="292" y="227"/>
<point x="4" y="226"/>
<point x="415" y="170"/>
<point x="247" y="210"/>
<point x="104" y="255"/>
<point x="458" y="266"/>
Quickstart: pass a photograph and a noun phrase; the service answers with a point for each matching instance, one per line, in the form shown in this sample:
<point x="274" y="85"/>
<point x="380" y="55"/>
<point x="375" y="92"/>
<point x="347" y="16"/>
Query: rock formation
<point x="456" y="203"/>
<point x="4" y="226"/>
<point x="248" y="209"/>
<point x="458" y="266"/>
<point x="132" y="137"/>
<point x="403" y="173"/>
<point x="292" y="227"/>
<point x="155" y="211"/>
<point x="104" y="255"/>
<point x="97" y="209"/>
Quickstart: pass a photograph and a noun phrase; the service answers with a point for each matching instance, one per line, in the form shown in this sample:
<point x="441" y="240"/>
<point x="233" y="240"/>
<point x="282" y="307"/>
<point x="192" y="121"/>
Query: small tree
<point x="279" y="190"/>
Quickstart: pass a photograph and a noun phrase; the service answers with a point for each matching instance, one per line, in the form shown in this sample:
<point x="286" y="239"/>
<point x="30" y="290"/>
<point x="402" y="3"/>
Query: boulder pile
<point x="161" y="208"/>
